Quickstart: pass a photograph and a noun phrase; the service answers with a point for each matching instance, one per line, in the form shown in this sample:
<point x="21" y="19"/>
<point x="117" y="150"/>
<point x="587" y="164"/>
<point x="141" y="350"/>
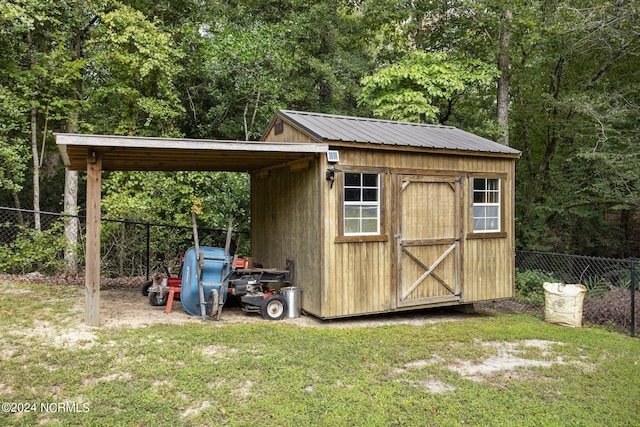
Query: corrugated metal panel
<point x="328" y="127"/>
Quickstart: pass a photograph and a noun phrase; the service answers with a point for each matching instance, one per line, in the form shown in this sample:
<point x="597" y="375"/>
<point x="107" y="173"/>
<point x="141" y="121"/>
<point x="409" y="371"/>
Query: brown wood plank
<point x="92" y="260"/>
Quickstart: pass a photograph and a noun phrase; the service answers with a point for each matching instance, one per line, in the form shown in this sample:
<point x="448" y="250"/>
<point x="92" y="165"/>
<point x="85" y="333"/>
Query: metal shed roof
<point x="333" y="128"/>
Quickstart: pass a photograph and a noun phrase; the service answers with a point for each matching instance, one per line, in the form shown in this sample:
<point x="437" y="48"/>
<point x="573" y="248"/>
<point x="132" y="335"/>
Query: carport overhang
<point x="95" y="153"/>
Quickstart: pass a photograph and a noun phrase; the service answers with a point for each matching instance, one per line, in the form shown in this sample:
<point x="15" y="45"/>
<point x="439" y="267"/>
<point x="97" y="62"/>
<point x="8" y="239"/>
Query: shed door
<point x="428" y="239"/>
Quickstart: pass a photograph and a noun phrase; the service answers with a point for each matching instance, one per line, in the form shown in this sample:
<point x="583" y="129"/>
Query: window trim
<point x="382" y="211"/>
<point x="487" y="234"/>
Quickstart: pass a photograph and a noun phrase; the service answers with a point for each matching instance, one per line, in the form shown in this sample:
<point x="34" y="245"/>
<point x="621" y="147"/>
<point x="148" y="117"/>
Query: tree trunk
<point x="34" y="143"/>
<point x="71" y="225"/>
<point x="539" y="174"/>
<point x="503" y="80"/>
<point x="16" y="199"/>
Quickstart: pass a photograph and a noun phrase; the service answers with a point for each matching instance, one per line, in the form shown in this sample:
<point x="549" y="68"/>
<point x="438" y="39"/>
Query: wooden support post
<point x="92" y="261"/>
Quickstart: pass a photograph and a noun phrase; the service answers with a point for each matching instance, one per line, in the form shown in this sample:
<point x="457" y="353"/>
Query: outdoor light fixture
<point x="331" y="176"/>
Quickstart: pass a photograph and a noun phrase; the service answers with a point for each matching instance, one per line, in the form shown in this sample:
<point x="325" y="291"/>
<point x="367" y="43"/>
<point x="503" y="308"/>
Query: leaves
<point x="212" y="69"/>
<point x="133" y="67"/>
<point x="418" y="87"/>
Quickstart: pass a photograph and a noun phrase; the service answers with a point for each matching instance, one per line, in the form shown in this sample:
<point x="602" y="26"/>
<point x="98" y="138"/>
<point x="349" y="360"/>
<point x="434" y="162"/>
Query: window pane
<point x="492" y="211"/>
<point x="352" y="211"/>
<point x="479" y="211"/>
<point x="351" y="226"/>
<point x="370" y="195"/>
<point x="493" y="197"/>
<point x="492" y="184"/>
<point x="352" y="194"/>
<point x="479" y="183"/>
<point x="370" y="179"/>
<point x="352" y="179"/>
<point x="370" y="225"/>
<point x="370" y="212"/>
<point x="492" y="224"/>
<point x="478" y="197"/>
<point x="478" y="224"/>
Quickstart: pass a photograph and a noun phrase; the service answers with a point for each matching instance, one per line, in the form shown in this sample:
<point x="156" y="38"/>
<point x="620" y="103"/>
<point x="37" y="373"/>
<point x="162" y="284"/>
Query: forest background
<point x="555" y="79"/>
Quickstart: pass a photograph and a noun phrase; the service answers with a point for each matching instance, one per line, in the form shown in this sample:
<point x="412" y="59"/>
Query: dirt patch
<point x="123" y="307"/>
<point x="435" y="386"/>
<point x="506" y="361"/>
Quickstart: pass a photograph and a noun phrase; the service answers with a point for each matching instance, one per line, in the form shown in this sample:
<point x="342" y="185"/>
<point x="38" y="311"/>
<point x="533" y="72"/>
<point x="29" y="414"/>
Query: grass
<point x="277" y="374"/>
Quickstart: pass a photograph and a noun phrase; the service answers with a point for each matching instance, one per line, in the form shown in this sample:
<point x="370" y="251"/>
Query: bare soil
<point x="128" y="308"/>
<point x="123" y="305"/>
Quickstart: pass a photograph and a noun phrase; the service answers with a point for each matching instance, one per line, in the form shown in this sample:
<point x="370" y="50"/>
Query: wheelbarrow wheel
<point x="145" y="288"/>
<point x="273" y="308"/>
<point x="155" y="301"/>
<point x="212" y="304"/>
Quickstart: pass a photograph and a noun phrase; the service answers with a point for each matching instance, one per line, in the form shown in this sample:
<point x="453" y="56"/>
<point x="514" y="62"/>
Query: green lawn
<point x="487" y="369"/>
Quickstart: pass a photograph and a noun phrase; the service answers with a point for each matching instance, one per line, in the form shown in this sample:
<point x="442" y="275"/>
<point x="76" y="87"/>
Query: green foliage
<point x="169" y="198"/>
<point x="261" y="57"/>
<point x="33" y="251"/>
<point x="242" y="80"/>
<point x="131" y="86"/>
<point x="579" y="169"/>
<point x="213" y="69"/>
<point x="13" y="165"/>
<point x="423" y="87"/>
<point x="596" y="286"/>
<point x="529" y="285"/>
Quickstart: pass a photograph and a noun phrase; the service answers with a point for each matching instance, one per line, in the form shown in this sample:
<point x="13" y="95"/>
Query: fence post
<point x="148" y="247"/>
<point x="633" y="299"/>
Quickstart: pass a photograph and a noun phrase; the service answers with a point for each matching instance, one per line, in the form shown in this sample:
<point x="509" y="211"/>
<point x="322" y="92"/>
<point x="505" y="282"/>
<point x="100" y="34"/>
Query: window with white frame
<point x="486" y="205"/>
<point x="361" y="204"/>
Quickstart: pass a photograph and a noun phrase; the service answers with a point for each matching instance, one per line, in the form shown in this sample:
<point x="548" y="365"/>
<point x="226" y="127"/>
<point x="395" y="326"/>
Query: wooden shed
<point x="396" y="216"/>
<point x="378" y="216"/>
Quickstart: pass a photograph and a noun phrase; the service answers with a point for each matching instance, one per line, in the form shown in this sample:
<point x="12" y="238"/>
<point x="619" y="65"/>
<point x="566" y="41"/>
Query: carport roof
<point x="132" y="153"/>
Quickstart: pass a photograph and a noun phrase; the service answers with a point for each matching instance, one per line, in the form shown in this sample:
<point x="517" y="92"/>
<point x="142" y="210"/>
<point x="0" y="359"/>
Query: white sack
<point x="563" y="304"/>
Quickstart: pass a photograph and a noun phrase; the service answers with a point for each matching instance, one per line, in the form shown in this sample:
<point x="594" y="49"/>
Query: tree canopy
<point x="556" y="80"/>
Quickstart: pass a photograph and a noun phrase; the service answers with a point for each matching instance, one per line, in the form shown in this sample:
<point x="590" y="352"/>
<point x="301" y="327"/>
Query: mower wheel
<point x="145" y="288"/>
<point x="153" y="299"/>
<point x="274" y="307"/>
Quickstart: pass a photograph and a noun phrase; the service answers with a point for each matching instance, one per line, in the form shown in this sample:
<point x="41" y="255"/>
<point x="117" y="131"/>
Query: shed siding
<point x="360" y="276"/>
<point x="285" y="209"/>
<point x="289" y="134"/>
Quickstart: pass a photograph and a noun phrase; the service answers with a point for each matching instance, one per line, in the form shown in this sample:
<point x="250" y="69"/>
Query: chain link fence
<point x="129" y="248"/>
<point x="611" y="284"/>
<point x="136" y="249"/>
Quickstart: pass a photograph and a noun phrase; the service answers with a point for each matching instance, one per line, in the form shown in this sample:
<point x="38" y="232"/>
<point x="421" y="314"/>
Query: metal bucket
<point x="292" y="294"/>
